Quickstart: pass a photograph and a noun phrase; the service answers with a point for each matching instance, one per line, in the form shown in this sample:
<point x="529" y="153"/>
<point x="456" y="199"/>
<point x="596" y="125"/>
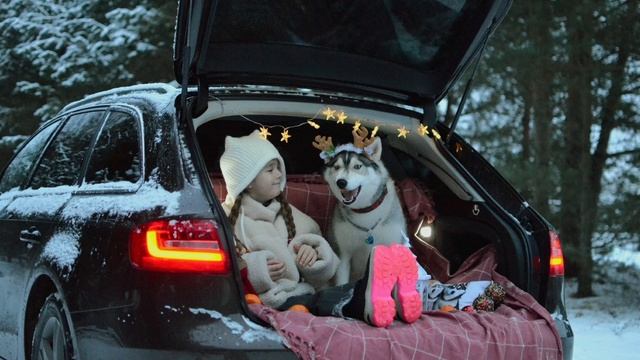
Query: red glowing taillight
<point x="556" y="260"/>
<point x="178" y="246"/>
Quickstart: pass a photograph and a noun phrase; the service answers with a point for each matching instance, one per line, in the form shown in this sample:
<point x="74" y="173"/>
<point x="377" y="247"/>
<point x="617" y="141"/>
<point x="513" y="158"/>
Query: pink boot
<point x="408" y="300"/>
<point x="380" y="308"/>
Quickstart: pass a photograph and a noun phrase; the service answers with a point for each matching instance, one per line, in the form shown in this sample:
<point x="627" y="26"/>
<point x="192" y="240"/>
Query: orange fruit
<point x="448" y="308"/>
<point x="300" y="308"/>
<point x="252" y="299"/>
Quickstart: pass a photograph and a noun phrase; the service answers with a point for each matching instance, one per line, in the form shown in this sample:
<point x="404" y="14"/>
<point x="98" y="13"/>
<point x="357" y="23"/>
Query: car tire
<point x="52" y="337"/>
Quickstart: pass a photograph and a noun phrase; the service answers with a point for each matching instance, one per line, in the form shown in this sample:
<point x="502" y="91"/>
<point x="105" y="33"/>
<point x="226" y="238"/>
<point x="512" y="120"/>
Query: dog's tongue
<point x="348" y="195"/>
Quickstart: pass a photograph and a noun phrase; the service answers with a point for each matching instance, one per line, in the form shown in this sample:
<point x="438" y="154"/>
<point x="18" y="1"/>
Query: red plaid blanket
<point x="519" y="329"/>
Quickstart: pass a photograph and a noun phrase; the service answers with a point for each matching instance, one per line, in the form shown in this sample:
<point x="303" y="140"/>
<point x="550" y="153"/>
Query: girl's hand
<point x="306" y="255"/>
<point x="276" y="269"/>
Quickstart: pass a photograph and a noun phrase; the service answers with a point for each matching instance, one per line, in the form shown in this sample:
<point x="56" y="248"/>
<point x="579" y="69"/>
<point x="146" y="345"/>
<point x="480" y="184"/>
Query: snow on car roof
<point x="160" y="95"/>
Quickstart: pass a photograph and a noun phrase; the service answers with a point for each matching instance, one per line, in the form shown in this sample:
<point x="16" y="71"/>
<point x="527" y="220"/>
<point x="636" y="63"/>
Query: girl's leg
<point x="372" y="299"/>
<point x="408" y="299"/>
<point x="331" y="301"/>
<point x="326" y="302"/>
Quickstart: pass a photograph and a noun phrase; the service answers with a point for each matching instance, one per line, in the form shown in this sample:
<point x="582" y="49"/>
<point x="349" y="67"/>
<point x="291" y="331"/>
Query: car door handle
<point x="32" y="235"/>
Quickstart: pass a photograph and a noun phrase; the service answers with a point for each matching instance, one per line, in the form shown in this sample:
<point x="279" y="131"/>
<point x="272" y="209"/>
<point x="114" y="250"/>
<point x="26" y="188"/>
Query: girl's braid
<point x="235" y="210"/>
<point x="287" y="214"/>
<point x="241" y="249"/>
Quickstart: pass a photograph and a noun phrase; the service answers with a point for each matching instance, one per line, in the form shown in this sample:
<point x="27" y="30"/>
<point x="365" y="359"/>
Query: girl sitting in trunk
<point x="288" y="262"/>
<point x="284" y="245"/>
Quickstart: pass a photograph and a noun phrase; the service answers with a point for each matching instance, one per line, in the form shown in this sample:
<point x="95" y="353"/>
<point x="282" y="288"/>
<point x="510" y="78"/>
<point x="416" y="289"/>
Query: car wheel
<point x="51" y="337"/>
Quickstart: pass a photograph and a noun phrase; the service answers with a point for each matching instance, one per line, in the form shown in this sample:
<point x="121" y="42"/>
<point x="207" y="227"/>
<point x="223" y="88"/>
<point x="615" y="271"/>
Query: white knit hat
<point x="243" y="158"/>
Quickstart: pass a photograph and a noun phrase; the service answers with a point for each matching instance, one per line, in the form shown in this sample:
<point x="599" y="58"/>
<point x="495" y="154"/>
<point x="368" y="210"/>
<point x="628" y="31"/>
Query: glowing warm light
<point x="285" y="136"/>
<point x="342" y="117"/>
<point x="264" y="132"/>
<point x="556" y="261"/>
<point x="156" y="251"/>
<point x="556" y="258"/>
<point x="436" y="134"/>
<point x="402" y="132"/>
<point x="329" y="114"/>
<point x="423" y="129"/>
<point x="313" y="124"/>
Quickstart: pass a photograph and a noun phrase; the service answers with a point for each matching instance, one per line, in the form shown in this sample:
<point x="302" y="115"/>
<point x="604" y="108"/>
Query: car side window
<point x="62" y="161"/>
<point x="116" y="156"/>
<point x="18" y="170"/>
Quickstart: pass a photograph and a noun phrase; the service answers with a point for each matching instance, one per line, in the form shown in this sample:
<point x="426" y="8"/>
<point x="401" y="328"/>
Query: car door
<point x="11" y="247"/>
<point x="31" y="236"/>
<point x="113" y="174"/>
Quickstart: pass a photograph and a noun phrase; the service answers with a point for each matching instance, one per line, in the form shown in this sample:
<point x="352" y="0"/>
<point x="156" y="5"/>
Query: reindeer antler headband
<point x="360" y="144"/>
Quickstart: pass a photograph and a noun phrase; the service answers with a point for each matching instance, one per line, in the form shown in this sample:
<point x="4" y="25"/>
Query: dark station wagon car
<point x="113" y="243"/>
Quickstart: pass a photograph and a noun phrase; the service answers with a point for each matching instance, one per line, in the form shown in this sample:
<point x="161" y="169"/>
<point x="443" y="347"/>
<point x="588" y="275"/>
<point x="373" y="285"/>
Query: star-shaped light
<point x="458" y="147"/>
<point x="374" y="132"/>
<point x="436" y="134"/>
<point x="342" y="117"/>
<point x="402" y="132"/>
<point x="285" y="135"/>
<point x="313" y="124"/>
<point x="264" y="132"/>
<point x="356" y="126"/>
<point x="329" y="114"/>
<point x="423" y="129"/>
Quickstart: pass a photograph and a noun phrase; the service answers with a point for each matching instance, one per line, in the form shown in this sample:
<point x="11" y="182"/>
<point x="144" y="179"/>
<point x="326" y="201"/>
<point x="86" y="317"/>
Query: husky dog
<point x="368" y="211"/>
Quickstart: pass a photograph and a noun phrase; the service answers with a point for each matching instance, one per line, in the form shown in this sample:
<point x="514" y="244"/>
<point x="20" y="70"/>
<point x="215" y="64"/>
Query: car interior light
<point x="426" y="231"/>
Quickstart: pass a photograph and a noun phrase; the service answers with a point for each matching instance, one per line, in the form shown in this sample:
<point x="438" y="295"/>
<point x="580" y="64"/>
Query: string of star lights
<point x="339" y="117"/>
<point x="284" y="134"/>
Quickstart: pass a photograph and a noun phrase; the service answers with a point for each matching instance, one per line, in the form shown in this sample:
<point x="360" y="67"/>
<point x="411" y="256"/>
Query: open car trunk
<point x="471" y="237"/>
<point x="405" y="50"/>
<point x="439" y="197"/>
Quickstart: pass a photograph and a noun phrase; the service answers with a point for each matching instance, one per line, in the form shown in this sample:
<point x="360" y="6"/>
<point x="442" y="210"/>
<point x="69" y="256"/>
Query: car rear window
<point x="415" y="34"/>
<point x="62" y="161"/>
<point x="116" y="155"/>
<point x="18" y="170"/>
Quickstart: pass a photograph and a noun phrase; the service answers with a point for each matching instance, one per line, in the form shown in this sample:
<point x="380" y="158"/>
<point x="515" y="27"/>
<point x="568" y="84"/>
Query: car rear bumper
<point x="566" y="335"/>
<point x="174" y="334"/>
<point x="95" y="350"/>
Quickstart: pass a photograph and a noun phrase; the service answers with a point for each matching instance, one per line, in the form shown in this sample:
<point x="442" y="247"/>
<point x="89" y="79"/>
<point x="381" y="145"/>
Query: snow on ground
<point x="607" y="326"/>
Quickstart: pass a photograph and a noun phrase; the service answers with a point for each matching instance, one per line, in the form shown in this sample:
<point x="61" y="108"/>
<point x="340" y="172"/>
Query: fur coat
<point x="264" y="232"/>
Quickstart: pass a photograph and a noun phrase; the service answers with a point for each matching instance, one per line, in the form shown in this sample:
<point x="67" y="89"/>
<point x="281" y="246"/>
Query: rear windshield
<point x="416" y="34"/>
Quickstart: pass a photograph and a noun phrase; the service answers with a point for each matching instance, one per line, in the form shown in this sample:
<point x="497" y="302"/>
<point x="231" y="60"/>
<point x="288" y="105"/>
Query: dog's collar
<point x="374" y="205"/>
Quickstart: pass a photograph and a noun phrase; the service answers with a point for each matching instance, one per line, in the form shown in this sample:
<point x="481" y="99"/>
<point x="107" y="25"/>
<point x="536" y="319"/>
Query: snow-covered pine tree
<point x="54" y="52"/>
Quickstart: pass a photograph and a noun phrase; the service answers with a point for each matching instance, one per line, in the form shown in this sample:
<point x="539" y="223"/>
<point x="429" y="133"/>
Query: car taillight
<point x="556" y="260"/>
<point x="178" y="246"/>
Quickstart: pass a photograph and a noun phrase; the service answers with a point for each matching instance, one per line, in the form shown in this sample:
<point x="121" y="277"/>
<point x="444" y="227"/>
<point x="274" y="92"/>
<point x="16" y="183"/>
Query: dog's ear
<point x="375" y="149"/>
